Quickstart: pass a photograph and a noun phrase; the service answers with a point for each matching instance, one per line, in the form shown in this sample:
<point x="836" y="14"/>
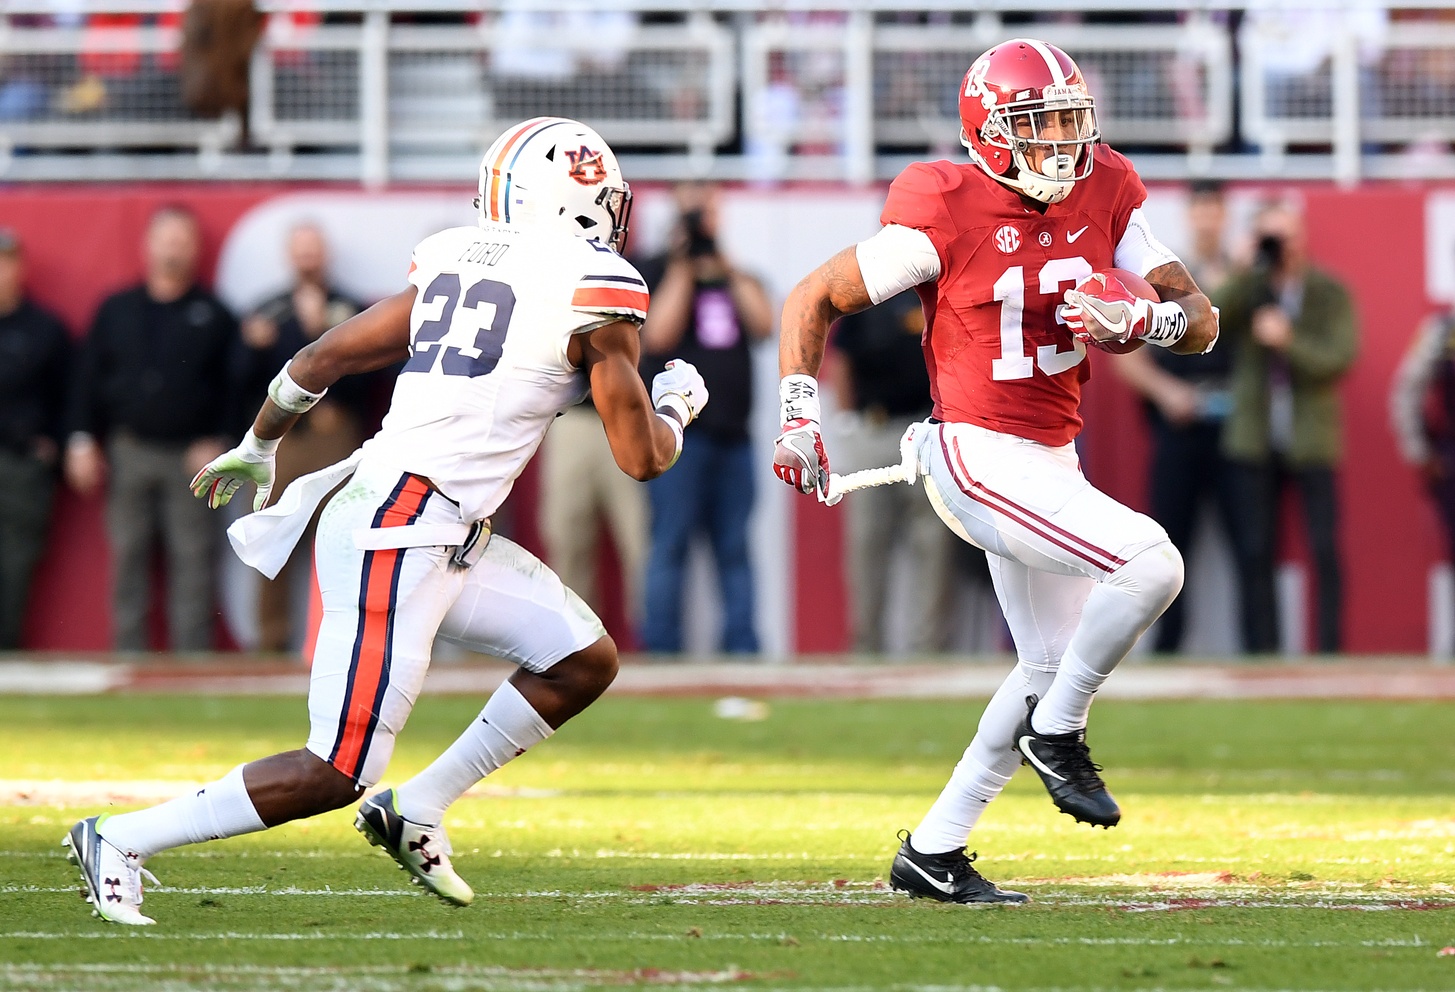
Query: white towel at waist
<point x="266" y="539"/>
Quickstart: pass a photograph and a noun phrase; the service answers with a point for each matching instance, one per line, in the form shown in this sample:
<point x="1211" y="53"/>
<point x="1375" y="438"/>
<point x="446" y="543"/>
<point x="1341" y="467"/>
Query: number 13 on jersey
<point x="1010" y="292"/>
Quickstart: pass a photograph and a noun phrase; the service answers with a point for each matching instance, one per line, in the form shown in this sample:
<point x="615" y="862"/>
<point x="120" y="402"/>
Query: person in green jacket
<point x="1293" y="333"/>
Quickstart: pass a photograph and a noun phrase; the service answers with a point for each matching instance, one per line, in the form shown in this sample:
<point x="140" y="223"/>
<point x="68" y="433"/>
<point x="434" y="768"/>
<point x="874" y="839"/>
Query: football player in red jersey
<point x="1000" y="250"/>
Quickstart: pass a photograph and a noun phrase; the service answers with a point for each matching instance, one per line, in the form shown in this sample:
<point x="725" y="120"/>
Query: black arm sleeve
<point x="226" y="415"/>
<point x="57" y="379"/>
<point x="84" y="403"/>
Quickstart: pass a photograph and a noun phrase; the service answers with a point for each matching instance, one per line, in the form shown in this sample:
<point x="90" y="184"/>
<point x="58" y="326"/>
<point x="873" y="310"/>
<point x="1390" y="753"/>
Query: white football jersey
<point x="488" y="369"/>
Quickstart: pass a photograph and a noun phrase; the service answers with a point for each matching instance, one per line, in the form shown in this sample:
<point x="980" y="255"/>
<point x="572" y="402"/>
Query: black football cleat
<point x="1064" y="763"/>
<point x="947" y="877"/>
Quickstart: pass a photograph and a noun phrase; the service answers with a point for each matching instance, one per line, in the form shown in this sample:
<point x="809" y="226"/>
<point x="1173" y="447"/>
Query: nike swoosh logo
<point x="945" y="887"/>
<point x="1025" y="749"/>
<point x="1071" y="237"/>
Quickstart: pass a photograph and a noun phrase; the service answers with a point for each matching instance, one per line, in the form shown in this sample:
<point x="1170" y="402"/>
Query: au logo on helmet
<point x="586" y="166"/>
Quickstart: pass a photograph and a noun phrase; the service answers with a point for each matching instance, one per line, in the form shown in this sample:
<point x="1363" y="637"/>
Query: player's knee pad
<point x="1154" y="574"/>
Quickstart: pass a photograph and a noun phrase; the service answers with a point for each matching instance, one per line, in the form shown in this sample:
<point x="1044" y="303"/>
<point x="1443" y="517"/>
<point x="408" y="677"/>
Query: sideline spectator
<point x="217" y="45"/>
<point x="1293" y="334"/>
<point x="148" y="410"/>
<point x="33" y="358"/>
<point x="705" y="311"/>
<point x="1186" y="400"/>
<point x="582" y="485"/>
<point x="1422" y="413"/>
<point x="272" y="334"/>
<point x="882" y="387"/>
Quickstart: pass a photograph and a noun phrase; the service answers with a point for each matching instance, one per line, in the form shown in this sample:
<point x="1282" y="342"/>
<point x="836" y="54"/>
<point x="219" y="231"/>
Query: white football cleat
<point x="424" y="852"/>
<point x="113" y="880"/>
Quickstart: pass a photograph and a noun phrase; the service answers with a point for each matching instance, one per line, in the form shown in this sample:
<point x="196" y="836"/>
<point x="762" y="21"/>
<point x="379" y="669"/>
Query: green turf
<point x="1264" y="846"/>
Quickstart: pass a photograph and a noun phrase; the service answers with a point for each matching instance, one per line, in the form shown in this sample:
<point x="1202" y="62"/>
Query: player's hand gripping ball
<point x="1111" y="309"/>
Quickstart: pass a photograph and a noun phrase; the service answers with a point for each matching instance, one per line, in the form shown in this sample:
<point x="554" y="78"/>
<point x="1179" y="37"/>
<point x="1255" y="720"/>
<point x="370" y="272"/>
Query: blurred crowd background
<point x="229" y="179"/>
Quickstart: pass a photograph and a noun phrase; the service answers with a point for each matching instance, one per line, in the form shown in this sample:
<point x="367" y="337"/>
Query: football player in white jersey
<point x="503" y="326"/>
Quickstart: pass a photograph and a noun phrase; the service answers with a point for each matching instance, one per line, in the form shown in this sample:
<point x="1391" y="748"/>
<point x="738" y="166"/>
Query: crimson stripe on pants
<point x="1028" y="519"/>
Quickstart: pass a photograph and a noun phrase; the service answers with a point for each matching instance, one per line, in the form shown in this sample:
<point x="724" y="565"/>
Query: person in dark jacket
<point x="706" y="311"/>
<point x="1293" y="334"/>
<point x="272" y="334"/>
<point x="149" y="409"/>
<point x="33" y="358"/>
<point x="882" y="386"/>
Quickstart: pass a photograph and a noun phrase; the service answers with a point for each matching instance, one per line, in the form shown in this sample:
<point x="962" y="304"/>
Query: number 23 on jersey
<point x="476" y="323"/>
<point x="1010" y="292"/>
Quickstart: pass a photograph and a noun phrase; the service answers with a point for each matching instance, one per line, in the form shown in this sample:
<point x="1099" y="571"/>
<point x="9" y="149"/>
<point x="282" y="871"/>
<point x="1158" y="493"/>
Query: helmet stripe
<point x="1052" y="63"/>
<point x="493" y="194"/>
<point x="520" y="148"/>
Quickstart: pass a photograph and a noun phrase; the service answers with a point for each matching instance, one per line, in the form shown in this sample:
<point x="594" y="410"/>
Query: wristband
<point x="1166" y="324"/>
<point x="678" y="404"/>
<point x="290" y="397"/>
<point x="798" y="398"/>
<point x="671" y="422"/>
<point x="261" y="449"/>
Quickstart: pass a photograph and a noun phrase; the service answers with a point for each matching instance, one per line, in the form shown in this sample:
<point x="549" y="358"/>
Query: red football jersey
<point x="997" y="355"/>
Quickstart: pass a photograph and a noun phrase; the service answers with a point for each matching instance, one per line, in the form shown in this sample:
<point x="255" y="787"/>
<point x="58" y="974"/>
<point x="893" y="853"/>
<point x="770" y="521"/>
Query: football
<point x="1118" y="284"/>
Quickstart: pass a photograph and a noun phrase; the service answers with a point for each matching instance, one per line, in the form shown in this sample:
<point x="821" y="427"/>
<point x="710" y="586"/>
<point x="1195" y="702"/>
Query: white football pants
<point x="382" y="610"/>
<point x="1079" y="577"/>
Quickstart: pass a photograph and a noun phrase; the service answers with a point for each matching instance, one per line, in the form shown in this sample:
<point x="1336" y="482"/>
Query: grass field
<point x="1263" y="846"/>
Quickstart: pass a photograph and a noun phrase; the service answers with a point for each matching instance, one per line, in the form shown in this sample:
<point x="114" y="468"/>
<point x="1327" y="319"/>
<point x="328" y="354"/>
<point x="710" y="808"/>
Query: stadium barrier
<point x="375" y="90"/>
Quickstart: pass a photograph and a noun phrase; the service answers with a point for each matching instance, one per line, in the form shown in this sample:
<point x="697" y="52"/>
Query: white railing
<point x="1347" y="89"/>
<point x="730" y="88"/>
<point x="101" y="89"/>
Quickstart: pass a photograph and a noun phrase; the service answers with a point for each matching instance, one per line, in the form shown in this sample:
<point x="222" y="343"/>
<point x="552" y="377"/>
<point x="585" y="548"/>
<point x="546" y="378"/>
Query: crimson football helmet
<point x="1026" y="95"/>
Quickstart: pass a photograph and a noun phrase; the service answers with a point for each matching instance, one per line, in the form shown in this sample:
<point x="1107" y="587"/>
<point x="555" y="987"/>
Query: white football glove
<point x="799" y="458"/>
<point x="679" y="388"/>
<point x="251" y="461"/>
<point x="1105" y="321"/>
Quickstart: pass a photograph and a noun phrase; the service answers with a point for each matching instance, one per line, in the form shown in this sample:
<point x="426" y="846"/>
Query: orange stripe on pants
<point x="370" y="671"/>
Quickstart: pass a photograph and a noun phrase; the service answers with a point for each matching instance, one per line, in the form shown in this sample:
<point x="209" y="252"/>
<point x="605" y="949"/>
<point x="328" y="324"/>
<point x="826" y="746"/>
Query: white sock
<point x="1067" y="704"/>
<point x="1117" y="612"/>
<point x="508" y="727"/>
<point x="988" y="763"/>
<point x="220" y="809"/>
<point x="954" y="814"/>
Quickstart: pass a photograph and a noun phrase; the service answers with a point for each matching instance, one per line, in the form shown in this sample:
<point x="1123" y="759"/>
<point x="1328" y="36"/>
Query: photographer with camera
<point x="707" y="311"/>
<point x="1186" y="402"/>
<point x="1293" y="333"/>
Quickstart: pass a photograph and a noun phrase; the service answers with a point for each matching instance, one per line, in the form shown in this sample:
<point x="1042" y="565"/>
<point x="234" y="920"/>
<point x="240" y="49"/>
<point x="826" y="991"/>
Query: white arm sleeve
<point x="1416" y="372"/>
<point x="896" y="259"/>
<point x="1139" y="250"/>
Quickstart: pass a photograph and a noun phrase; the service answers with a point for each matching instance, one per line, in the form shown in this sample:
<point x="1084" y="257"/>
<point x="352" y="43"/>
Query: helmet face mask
<point x="1028" y="119"/>
<point x="617" y="203"/>
<point x="553" y="175"/>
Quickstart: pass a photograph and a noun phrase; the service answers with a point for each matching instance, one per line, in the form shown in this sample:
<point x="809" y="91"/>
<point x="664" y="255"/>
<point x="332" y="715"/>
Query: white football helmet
<point x="550" y="173"/>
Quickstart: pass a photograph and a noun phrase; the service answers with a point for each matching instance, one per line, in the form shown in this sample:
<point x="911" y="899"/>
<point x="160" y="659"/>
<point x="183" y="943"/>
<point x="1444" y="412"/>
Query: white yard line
<point x="631" y="937"/>
<point x="1159" y="894"/>
<point x="142" y="792"/>
<point x="387" y="979"/>
<point x="146" y="933"/>
<point x="62" y="678"/>
<point x="1374" y="678"/>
